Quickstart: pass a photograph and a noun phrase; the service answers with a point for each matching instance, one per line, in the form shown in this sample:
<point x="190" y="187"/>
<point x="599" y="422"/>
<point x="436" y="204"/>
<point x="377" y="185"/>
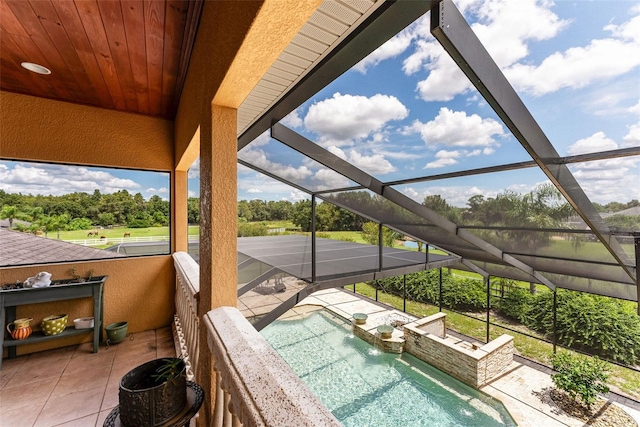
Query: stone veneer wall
<point x="369" y="334"/>
<point x="473" y="367"/>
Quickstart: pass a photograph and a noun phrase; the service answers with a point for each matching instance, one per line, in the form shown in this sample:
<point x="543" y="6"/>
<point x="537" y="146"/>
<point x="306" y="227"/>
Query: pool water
<point x="364" y="387"/>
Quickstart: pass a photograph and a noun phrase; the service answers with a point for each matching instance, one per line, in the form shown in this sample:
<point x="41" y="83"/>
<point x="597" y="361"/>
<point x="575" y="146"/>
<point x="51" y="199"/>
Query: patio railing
<point x="186" y="318"/>
<point x="254" y="385"/>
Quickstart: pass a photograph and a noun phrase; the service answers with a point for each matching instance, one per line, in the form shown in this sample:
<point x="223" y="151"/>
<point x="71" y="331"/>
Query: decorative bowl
<point x="83" y="323"/>
<point x="54" y="324"/>
<point x="360" y="318"/>
<point x="385" y="331"/>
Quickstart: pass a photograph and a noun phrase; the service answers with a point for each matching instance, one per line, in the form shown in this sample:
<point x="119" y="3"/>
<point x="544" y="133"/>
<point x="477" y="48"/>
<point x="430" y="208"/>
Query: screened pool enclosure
<point x="554" y="234"/>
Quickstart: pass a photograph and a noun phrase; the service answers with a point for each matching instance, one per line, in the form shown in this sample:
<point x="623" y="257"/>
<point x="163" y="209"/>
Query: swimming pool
<point x="364" y="387"/>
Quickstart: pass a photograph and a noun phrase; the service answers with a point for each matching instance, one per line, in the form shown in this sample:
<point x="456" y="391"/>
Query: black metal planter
<point x="145" y="401"/>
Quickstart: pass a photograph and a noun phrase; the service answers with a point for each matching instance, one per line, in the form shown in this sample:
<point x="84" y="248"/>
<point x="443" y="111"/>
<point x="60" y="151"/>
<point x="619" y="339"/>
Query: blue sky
<point x="41" y="178"/>
<point x="407" y="111"/>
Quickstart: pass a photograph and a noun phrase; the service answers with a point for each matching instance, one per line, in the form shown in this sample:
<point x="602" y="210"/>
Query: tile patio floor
<point x="71" y="386"/>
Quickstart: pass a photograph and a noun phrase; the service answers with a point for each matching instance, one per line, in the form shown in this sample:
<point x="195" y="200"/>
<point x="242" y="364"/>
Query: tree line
<point x="544" y="207"/>
<point x="82" y="211"/>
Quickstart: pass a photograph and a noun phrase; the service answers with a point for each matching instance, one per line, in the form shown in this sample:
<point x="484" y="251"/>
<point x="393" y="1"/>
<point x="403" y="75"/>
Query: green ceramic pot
<point x="54" y="324"/>
<point x="116" y="332"/>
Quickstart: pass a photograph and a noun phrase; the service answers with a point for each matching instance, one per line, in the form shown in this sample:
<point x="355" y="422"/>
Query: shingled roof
<point x="22" y="248"/>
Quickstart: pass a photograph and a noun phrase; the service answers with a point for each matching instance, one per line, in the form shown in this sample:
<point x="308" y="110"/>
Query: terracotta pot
<point x="21" y="328"/>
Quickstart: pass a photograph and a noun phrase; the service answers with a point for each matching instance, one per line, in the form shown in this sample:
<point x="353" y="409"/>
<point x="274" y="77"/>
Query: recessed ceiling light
<point x="36" y="68"/>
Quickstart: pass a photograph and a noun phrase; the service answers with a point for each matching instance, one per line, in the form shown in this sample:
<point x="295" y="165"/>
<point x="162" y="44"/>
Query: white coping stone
<point x="264" y="390"/>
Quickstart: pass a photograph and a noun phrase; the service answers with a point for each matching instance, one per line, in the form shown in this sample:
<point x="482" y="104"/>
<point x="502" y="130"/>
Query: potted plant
<point x="153" y="393"/>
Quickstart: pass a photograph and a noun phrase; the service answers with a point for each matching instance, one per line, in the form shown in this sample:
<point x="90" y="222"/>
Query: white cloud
<point x="455" y="195"/>
<point x="398" y="155"/>
<point x="445" y="158"/>
<point x="162" y="190"/>
<point x="581" y="66"/>
<point x="258" y="158"/>
<point x="194" y="170"/>
<point x="503" y="26"/>
<point x="263" y="139"/>
<point x="605" y="180"/>
<point x="192" y="193"/>
<point x="56" y="180"/>
<point x="592" y="144"/>
<point x="506" y="28"/>
<point x="577" y="67"/>
<point x="456" y="129"/>
<point x="392" y="48"/>
<point x="375" y="164"/>
<point x="632" y="138"/>
<point x="297" y="195"/>
<point x="254" y="190"/>
<point x="292" y="120"/>
<point x="343" y="119"/>
<point x="327" y="179"/>
<point x="411" y="193"/>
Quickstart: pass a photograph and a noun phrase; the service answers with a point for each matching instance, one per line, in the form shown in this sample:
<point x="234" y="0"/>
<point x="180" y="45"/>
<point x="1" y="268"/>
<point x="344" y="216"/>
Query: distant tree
<point x="193" y="210"/>
<point x="370" y="234"/>
<point x="259" y="211"/>
<point x="52" y="223"/>
<point x="279" y="210"/>
<point x="159" y="219"/>
<point x="79" y="224"/>
<point x="244" y="211"/>
<point x="623" y="222"/>
<point x="106" y="219"/>
<point x="301" y="215"/>
<point x="10" y="213"/>
<point x="439" y="205"/>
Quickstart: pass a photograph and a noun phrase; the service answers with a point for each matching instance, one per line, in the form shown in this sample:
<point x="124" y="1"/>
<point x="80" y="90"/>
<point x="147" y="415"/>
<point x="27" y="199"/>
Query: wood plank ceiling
<point x="127" y="55"/>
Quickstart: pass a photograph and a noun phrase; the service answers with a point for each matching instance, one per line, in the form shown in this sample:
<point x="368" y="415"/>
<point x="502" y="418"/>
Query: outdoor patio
<point x="72" y="386"/>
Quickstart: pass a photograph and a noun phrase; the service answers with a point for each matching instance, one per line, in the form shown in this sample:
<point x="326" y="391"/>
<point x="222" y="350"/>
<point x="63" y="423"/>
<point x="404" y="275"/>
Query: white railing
<point x="186" y="318"/>
<point x="116" y="240"/>
<point x="254" y="385"/>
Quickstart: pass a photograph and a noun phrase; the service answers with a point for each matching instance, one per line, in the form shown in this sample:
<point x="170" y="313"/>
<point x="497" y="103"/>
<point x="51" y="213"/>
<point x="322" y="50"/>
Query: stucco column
<point x="218" y="229"/>
<point x="180" y="223"/>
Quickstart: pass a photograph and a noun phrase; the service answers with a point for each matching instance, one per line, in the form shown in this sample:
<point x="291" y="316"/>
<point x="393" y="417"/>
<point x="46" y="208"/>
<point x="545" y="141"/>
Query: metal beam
<point x="302" y="145"/>
<point x="255" y="282"/>
<point x="273" y="176"/>
<point x="456" y="36"/>
<point x="589" y="157"/>
<point x="385" y="22"/>
<point x="343" y="281"/>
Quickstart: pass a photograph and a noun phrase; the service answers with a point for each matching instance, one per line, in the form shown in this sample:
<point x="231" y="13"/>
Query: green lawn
<point x="111" y="233"/>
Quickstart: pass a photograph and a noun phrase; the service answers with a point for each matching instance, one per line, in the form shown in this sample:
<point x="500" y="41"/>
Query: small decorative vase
<point x="54" y="324"/>
<point x="21" y="328"/>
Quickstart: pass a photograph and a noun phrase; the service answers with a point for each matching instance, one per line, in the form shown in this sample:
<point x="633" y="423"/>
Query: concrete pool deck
<point x="518" y="389"/>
